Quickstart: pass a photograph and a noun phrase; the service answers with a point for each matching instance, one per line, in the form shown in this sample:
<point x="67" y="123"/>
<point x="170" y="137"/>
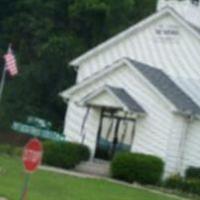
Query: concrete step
<point x="94" y="167"/>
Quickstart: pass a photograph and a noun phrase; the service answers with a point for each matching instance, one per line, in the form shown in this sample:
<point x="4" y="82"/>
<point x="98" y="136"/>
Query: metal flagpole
<point x="3" y="79"/>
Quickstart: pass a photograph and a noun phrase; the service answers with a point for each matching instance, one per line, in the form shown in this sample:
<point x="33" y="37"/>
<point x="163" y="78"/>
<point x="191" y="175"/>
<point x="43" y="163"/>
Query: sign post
<point x="32" y="157"/>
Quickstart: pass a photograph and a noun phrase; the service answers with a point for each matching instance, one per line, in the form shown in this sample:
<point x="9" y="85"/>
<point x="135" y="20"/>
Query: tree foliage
<point x="46" y="35"/>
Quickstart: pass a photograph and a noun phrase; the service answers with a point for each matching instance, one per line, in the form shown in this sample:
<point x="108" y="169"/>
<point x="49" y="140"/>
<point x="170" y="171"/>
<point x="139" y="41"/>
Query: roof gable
<point x="166" y="11"/>
<point x="118" y="98"/>
<point x="107" y="70"/>
<point x="168" y="88"/>
<point x="158" y="80"/>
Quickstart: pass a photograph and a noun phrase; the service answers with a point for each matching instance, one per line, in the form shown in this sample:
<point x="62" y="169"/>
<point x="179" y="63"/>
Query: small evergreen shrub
<point x="193" y="173"/>
<point x="64" y="155"/>
<point x="135" y="167"/>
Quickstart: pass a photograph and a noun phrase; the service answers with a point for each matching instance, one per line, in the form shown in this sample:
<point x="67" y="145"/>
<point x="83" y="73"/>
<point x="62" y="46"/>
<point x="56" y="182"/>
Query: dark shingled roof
<point x="167" y="87"/>
<point x="195" y="28"/>
<point x="126" y="99"/>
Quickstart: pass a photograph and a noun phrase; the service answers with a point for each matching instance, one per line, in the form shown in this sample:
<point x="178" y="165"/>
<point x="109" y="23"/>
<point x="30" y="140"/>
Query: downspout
<point x="182" y="144"/>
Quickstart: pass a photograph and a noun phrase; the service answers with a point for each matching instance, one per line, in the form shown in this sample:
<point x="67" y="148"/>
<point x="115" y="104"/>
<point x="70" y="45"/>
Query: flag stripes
<point x="10" y="63"/>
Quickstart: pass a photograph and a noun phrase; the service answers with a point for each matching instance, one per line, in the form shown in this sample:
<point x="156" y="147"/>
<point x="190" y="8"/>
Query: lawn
<point x="52" y="186"/>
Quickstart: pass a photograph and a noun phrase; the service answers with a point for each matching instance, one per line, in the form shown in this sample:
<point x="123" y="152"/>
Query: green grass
<point x="52" y="186"/>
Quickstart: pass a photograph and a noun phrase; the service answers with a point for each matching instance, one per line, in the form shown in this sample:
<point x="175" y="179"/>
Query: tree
<point x="46" y="35"/>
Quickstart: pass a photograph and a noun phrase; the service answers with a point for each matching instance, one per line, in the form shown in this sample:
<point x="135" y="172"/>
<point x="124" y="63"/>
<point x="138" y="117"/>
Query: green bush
<point x="176" y="182"/>
<point x="193" y="173"/>
<point x="84" y="152"/>
<point x="64" y="155"/>
<point x="192" y="186"/>
<point x="134" y="167"/>
<point x="18" y="151"/>
<point x="4" y="149"/>
<point x="10" y="150"/>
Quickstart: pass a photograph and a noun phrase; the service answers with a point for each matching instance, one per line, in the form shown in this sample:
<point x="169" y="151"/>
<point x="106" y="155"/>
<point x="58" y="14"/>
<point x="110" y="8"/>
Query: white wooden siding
<point x="73" y="122"/>
<point x="192" y="146"/>
<point x="160" y="133"/>
<point x="179" y="58"/>
<point x="186" y="9"/>
<point x="105" y="99"/>
<point x="152" y="131"/>
<point x="191" y="155"/>
<point x="174" y="146"/>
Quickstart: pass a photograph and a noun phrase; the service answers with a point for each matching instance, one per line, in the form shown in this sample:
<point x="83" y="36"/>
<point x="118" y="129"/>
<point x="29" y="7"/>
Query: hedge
<point x="174" y="182"/>
<point x="191" y="186"/>
<point x="193" y="173"/>
<point x="135" y="167"/>
<point x="10" y="150"/>
<point x="64" y="155"/>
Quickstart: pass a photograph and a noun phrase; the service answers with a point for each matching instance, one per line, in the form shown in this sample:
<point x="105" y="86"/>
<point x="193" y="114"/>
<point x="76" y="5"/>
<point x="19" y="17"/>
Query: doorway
<point x="115" y="134"/>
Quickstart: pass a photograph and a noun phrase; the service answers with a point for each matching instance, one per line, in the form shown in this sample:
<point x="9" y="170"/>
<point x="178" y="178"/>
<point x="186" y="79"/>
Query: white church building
<point x="140" y="90"/>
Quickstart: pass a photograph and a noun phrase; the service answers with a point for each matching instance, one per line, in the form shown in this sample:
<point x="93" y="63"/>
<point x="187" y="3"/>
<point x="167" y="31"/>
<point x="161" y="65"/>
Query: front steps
<point x="94" y="167"/>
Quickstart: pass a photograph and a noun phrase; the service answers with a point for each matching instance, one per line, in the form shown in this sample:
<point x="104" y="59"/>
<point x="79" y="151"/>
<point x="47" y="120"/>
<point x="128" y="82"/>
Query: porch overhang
<point x="112" y="98"/>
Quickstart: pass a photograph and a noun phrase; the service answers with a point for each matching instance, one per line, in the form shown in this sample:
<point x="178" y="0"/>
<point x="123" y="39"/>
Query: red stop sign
<point x="32" y="155"/>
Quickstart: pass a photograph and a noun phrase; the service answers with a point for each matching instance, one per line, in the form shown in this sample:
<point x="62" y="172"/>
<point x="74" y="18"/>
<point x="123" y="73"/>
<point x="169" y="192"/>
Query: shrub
<point x="192" y="186"/>
<point x="84" y="152"/>
<point x="134" y="167"/>
<point x="10" y="150"/>
<point x="18" y="151"/>
<point x="4" y="149"/>
<point x="176" y="182"/>
<point x="64" y="155"/>
<point x="193" y="173"/>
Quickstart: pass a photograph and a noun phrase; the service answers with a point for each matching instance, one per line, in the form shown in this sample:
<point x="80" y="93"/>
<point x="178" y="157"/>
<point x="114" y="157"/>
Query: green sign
<point x="38" y="122"/>
<point x="37" y="132"/>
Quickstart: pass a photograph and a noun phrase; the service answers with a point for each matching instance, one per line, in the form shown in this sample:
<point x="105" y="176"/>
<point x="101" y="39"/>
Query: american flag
<point x="10" y="62"/>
